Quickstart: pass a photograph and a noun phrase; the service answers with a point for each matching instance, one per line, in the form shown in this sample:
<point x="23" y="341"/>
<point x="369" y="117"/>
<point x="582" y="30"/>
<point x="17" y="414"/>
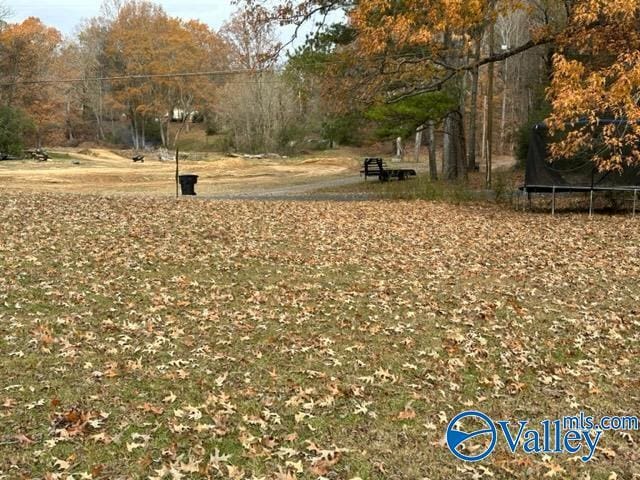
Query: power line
<point x="144" y="76"/>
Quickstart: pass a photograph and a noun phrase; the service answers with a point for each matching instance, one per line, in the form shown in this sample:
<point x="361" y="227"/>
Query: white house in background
<point x="178" y="114"/>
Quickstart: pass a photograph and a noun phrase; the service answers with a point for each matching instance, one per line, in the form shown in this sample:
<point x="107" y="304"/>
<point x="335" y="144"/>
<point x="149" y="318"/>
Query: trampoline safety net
<point x="571" y="174"/>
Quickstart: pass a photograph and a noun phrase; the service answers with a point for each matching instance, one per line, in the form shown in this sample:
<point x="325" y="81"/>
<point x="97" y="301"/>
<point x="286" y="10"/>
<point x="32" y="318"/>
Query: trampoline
<point x="577" y="173"/>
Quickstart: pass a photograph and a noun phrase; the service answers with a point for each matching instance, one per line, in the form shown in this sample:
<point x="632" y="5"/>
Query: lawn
<point x="148" y="338"/>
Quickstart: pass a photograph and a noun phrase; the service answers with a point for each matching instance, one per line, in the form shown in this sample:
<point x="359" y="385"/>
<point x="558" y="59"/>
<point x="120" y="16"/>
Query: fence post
<point x="591" y="203"/>
<point x="635" y="201"/>
<point x="553" y="200"/>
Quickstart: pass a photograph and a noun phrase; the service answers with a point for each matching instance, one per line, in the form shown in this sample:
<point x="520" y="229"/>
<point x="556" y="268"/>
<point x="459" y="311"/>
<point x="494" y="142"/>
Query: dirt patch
<point x="95" y="170"/>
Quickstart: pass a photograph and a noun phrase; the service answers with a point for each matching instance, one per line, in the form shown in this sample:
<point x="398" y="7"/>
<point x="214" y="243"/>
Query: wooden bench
<point x="375" y="167"/>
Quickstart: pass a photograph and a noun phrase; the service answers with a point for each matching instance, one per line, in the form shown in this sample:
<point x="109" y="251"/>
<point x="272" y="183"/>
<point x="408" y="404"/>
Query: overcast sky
<point x="65" y="15"/>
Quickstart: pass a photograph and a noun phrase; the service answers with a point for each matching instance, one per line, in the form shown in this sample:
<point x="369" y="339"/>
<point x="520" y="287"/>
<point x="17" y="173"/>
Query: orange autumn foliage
<point x="29" y="52"/>
<point x="597" y="74"/>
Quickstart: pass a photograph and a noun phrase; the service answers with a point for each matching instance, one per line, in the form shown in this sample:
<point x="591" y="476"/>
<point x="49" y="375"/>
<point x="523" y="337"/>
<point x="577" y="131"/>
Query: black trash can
<point x="188" y="184"/>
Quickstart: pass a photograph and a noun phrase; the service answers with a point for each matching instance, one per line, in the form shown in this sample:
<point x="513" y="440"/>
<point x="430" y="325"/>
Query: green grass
<point x="300" y="332"/>
<point x="423" y="188"/>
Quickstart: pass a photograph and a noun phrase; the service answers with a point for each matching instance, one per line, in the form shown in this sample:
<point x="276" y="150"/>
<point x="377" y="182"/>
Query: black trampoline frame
<point x="553" y="190"/>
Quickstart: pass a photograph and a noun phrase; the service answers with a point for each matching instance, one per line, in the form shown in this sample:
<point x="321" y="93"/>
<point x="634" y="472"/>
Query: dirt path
<point x="304" y="191"/>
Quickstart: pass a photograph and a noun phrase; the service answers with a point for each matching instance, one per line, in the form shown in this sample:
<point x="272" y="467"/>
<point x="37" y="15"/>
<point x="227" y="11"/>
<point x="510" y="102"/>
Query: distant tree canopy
<point x="243" y="96"/>
<point x="395" y="65"/>
<point x="410" y="47"/>
<point x="28" y="52"/>
<point x="143" y="40"/>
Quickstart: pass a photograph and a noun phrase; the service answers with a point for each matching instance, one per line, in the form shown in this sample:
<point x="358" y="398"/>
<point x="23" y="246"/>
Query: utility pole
<point x="177" y="173"/>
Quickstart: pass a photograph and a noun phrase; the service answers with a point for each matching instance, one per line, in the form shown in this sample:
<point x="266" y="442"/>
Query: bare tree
<point x="253" y="42"/>
<point x="5" y="12"/>
<point x="258" y="111"/>
<point x="258" y="108"/>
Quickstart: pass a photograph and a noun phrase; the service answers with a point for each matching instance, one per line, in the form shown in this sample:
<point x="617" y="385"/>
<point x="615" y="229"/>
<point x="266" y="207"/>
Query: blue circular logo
<point x="456" y="437"/>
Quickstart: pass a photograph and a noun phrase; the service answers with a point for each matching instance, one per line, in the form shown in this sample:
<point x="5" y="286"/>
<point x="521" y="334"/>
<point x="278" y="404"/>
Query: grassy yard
<point x="148" y="338"/>
<point x="421" y="187"/>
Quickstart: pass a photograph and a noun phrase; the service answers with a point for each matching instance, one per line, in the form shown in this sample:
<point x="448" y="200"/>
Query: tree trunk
<point x="399" y="149"/>
<point x="454" y="160"/>
<point x="433" y="166"/>
<point x="163" y="137"/>
<point x="100" y="135"/>
<point x="483" y="148"/>
<point x="473" y="113"/>
<point x="503" y="116"/>
<point x="100" y="113"/>
<point x="443" y="159"/>
<point x="144" y="132"/>
<point x="134" y="132"/>
<point x="68" y="122"/>
<point x="418" y="143"/>
<point x="490" y="110"/>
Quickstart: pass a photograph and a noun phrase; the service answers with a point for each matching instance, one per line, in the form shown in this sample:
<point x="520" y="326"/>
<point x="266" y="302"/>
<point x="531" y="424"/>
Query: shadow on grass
<point x="423" y="188"/>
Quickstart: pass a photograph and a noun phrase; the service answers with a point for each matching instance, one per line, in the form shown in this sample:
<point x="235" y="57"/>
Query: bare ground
<point x="105" y="171"/>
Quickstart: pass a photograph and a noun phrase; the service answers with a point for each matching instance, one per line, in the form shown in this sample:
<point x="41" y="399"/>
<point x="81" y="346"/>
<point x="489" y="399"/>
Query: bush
<point x="521" y="149"/>
<point x="211" y="124"/>
<point x="289" y="138"/>
<point x="343" y="130"/>
<point x="503" y="186"/>
<point x="152" y="132"/>
<point x="14" y="125"/>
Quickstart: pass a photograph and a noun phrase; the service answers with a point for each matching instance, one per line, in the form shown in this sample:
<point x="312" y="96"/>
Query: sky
<point x="65" y="15"/>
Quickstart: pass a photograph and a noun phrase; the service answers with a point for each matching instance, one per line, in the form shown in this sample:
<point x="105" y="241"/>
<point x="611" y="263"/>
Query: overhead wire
<point x="213" y="73"/>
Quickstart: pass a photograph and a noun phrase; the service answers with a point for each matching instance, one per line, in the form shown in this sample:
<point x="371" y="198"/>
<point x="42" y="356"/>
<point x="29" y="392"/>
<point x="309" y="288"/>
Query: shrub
<point x="14" y="125"/>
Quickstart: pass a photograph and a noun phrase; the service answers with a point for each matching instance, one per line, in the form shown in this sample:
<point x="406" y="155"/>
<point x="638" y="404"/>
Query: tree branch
<point x="498" y="57"/>
<point x="431" y="87"/>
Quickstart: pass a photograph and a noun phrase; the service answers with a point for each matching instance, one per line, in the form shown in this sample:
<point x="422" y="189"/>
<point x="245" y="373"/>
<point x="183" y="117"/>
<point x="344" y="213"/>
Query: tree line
<point x="480" y="69"/>
<point x="120" y="68"/>
<point x="468" y="76"/>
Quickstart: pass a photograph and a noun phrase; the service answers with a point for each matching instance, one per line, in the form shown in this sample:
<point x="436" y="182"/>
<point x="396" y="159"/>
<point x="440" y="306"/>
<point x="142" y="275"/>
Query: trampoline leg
<point x="553" y="201"/>
<point x="591" y="203"/>
<point x="635" y="201"/>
